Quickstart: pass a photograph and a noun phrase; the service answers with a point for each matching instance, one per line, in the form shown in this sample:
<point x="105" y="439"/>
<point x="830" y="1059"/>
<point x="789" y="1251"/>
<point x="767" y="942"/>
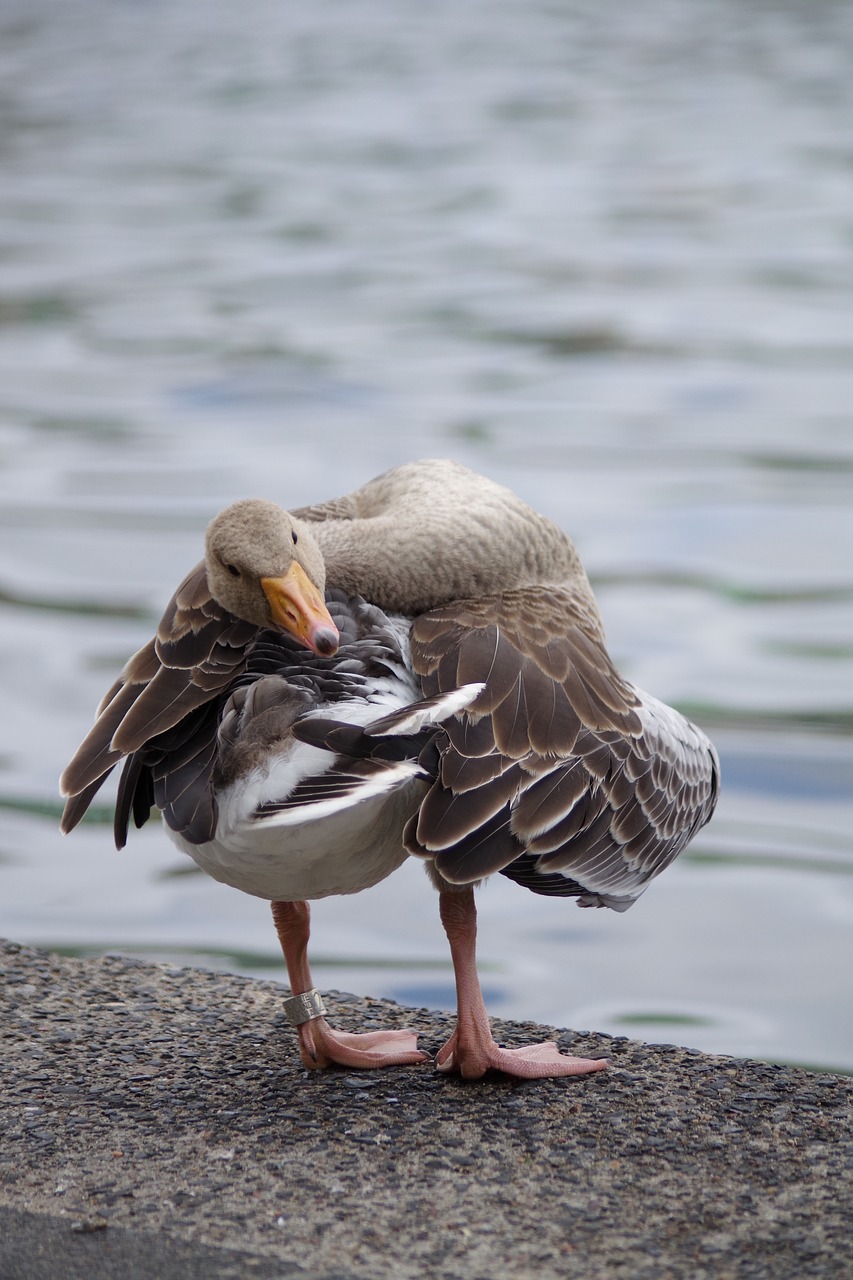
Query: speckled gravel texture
<point x="144" y="1102"/>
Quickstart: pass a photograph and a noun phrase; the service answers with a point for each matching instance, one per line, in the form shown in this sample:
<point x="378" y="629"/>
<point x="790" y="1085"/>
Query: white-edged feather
<point x="383" y="780"/>
<point x="429" y="711"/>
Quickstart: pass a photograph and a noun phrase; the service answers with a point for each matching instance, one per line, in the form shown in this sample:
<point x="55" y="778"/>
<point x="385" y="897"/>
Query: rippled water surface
<point x="602" y="254"/>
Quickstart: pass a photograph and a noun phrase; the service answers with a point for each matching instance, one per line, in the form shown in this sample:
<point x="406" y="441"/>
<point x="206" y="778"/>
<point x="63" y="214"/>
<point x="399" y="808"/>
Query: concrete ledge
<point x="156" y="1122"/>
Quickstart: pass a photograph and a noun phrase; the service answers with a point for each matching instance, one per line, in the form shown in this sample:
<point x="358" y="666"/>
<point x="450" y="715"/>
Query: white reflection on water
<point x="605" y="260"/>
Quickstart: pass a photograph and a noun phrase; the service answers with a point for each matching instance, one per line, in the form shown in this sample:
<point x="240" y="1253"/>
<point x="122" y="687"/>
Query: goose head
<point x="266" y="567"/>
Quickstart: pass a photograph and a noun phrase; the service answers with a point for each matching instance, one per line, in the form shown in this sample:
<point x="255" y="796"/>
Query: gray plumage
<point x="558" y="772"/>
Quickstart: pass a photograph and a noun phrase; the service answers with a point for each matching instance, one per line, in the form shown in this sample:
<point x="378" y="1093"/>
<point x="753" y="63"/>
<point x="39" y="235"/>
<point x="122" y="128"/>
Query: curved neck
<point x="415" y="539"/>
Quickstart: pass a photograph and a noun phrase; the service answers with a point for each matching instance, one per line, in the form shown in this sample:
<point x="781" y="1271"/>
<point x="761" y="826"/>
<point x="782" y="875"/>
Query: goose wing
<point x="560" y="774"/>
<point x="164" y="689"/>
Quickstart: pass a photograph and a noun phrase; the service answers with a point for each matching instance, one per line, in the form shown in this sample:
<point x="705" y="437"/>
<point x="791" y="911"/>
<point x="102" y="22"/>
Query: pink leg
<point x="471" y="1049"/>
<point x="319" y="1044"/>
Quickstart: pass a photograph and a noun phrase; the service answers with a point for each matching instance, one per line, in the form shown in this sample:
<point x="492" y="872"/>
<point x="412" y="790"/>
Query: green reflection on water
<point x="809" y="649"/>
<point x="799" y="462"/>
<point x="254" y="959"/>
<point x="766" y="861"/>
<point x="737" y="592"/>
<point x="37" y="308"/>
<point x="91" y="426"/>
<point x="664" y="1019"/>
<point x="98" y="608"/>
<point x="101" y="815"/>
<point x="713" y="716"/>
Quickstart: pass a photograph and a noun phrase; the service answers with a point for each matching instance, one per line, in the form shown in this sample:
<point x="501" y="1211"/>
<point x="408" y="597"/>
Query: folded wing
<point x="561" y="775"/>
<point x="167" y="688"/>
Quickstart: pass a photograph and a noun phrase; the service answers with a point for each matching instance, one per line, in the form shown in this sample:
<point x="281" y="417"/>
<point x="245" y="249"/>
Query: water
<point x="602" y="255"/>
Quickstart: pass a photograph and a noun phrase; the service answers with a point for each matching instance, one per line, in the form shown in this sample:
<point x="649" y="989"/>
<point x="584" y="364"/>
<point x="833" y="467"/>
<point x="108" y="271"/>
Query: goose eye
<point x="233" y="570"/>
<point x="294" y="537"/>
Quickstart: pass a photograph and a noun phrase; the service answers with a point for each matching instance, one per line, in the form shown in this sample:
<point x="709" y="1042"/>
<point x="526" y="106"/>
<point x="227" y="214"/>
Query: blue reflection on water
<point x="797" y="777"/>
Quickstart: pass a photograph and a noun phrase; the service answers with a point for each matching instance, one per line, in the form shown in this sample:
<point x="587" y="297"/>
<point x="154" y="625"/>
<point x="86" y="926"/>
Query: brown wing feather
<point x="560" y="774"/>
<point x="95" y="756"/>
<point x="198" y="649"/>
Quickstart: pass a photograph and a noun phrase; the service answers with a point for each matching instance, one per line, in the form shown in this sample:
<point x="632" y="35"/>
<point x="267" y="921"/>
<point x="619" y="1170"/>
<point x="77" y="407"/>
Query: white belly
<point x="342" y="852"/>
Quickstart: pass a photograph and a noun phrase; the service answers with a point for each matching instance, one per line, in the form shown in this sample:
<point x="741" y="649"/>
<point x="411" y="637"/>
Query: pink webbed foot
<point x="531" y="1062"/>
<point x="320" y="1046"/>
<point x="471" y="1050"/>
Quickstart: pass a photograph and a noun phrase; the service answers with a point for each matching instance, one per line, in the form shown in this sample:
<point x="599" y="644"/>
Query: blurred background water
<point x="601" y="252"/>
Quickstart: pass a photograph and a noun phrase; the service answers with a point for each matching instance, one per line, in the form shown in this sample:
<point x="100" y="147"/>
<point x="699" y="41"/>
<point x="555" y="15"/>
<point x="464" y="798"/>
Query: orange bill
<point x="297" y="607"/>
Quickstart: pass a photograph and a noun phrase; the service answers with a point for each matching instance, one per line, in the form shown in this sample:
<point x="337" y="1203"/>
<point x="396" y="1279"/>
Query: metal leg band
<point x="304" y="1007"/>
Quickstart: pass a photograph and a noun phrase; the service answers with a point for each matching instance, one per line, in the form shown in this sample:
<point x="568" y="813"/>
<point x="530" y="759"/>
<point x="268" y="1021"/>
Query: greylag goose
<point x="449" y="696"/>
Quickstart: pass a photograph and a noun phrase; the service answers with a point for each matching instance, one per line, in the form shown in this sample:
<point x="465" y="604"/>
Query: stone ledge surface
<point x="157" y="1122"/>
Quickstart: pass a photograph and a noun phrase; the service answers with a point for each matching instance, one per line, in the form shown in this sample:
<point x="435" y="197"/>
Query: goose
<point x="417" y="668"/>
